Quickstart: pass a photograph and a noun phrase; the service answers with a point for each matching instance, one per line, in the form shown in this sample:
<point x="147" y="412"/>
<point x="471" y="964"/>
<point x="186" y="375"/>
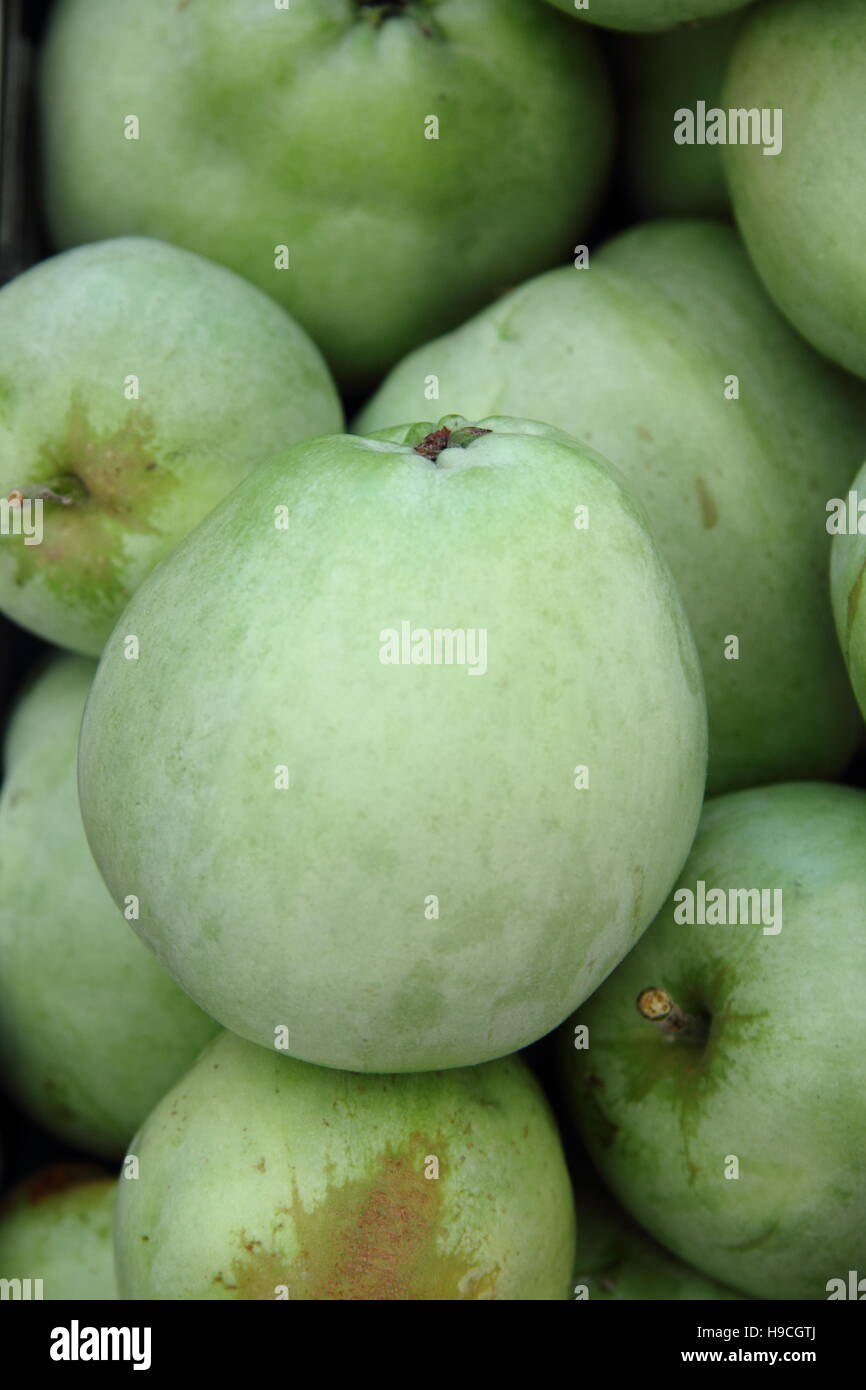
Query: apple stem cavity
<point x="434" y="443"/>
<point x="659" y="1007"/>
<point x="376" y="12"/>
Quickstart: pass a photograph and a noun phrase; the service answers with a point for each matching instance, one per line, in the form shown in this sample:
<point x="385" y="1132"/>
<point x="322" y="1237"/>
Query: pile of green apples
<point x="429" y="512"/>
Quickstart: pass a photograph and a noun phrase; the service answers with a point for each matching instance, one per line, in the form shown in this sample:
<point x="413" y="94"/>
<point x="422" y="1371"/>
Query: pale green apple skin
<point x="618" y="1262"/>
<point x="777" y="1085"/>
<point x="802" y="212"/>
<point x="92" y="1030"/>
<point x="305" y="128"/>
<point x="430" y="889"/>
<point x="262" y="1177"/>
<point x="58" y="1226"/>
<point x="657" y="75"/>
<point x="631" y="356"/>
<point x="847" y="569"/>
<point x="224" y="378"/>
<point x="646" y="16"/>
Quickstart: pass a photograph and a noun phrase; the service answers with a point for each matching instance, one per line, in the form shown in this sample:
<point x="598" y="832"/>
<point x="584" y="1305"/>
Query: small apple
<point x="412" y="750"/>
<point x="383" y="168"/>
<point x="644" y="16"/>
<point x="617" y="1261"/>
<point x="264" y="1178"/>
<point x="92" y="1029"/>
<point x="657" y="76"/>
<point x="138" y="385"/>
<point x="57" y="1228"/>
<point x="666" y="356"/>
<point x="727" y="1112"/>
<point x="802" y="212"/>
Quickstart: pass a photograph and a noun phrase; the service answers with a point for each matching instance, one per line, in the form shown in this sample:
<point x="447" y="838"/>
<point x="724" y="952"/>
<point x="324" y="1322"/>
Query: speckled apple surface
<point x="308" y="127"/>
<point x="400" y="864"/>
<point x="138" y="383"/>
<point x="265" y="1178"/>
<point x="775" y="1086"/>
<point x="58" y="1227"/>
<point x="633" y="356"/>
<point x="92" y="1030"/>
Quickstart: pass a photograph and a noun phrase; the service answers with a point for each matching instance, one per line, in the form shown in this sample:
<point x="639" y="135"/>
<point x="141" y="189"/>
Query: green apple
<point x="57" y="1227"/>
<point x="658" y="76"/>
<point x="381" y="169"/>
<point x="645" y="16"/>
<point x="665" y="355"/>
<point x="138" y="385"/>
<point x="617" y="1261"/>
<point x="731" y="1126"/>
<point x="403" y="748"/>
<point x="92" y="1029"/>
<point x="847" y="569"/>
<point x="261" y="1177"/>
<point x="802" y="212"/>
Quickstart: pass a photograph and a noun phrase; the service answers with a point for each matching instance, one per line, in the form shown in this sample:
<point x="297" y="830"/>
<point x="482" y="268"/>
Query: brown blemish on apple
<point x="709" y="510"/>
<point x="377" y="1238"/>
<point x="854" y="602"/>
<point x="59" y="1178"/>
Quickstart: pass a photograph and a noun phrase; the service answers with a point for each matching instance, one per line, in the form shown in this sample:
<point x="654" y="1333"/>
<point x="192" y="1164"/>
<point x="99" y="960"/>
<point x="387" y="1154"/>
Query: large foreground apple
<point x="382" y="169"/>
<point x="803" y="212"/>
<point x="138" y="385"/>
<point x="847" y="578"/>
<point x="401" y="751"/>
<point x="57" y="1227"/>
<point x="92" y="1029"/>
<point x="641" y="16"/>
<point x="667" y="357"/>
<point x="618" y="1262"/>
<point x="731" y="1126"/>
<point x="326" y="1186"/>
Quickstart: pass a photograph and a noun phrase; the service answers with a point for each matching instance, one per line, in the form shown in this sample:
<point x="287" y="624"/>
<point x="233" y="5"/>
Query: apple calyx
<point x="659" y="1007"/>
<point x="376" y="12"/>
<point x="444" y="438"/>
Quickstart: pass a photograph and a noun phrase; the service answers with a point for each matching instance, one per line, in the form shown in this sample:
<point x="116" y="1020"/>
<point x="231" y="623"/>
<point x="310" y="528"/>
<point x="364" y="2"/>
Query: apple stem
<point x="444" y="438"/>
<point x="659" y="1007"/>
<point x="38" y="494"/>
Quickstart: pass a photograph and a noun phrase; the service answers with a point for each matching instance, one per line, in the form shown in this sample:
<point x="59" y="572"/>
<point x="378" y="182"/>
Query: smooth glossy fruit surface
<point x="733" y="1130"/>
<point x="92" y="1030"/>
<point x="57" y="1227"/>
<point x="138" y="385"/>
<point x="265" y="1178"/>
<point x="382" y="170"/>
<point x="802" y="212"/>
<point x="409" y="755"/>
<point x="666" y="356"/>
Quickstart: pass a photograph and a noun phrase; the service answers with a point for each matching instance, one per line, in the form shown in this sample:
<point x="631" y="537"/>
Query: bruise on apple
<point x="374" y="1239"/>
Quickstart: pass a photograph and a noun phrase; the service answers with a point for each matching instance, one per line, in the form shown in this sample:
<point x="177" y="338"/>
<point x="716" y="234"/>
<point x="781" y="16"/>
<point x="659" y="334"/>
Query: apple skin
<point x="283" y="1174"/>
<point x="224" y="377"/>
<point x="305" y="128"/>
<point x="57" y="1226"/>
<point x="847" y="567"/>
<point x="92" y="1029"/>
<point x="414" y="791"/>
<point x="776" y="1085"/>
<point x="656" y="75"/>
<point x="617" y="1261"/>
<point x="631" y="356"/>
<point x="646" y="16"/>
<point x="802" y="212"/>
